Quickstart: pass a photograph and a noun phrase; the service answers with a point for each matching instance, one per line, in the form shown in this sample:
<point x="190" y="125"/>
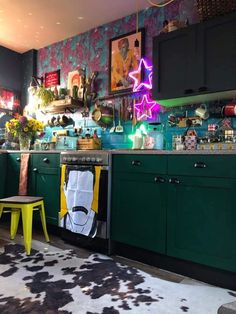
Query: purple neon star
<point x="136" y="76"/>
<point x="145" y="108"/>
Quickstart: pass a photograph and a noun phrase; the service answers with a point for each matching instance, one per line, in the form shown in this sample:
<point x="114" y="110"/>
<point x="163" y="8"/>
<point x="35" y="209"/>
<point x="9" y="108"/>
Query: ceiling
<point x="33" y="24"/>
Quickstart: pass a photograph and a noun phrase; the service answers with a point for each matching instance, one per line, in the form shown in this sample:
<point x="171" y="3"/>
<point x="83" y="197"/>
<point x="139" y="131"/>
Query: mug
<point x="229" y="110"/>
<point x="202" y="112"/>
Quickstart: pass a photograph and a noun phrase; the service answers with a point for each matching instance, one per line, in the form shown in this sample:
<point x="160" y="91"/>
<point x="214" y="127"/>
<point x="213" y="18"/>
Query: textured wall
<point x="91" y="49"/>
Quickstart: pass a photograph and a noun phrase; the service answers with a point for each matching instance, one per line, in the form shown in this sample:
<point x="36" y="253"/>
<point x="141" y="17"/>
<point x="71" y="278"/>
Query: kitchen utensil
<point x="112" y="129"/>
<point x="102" y="115"/>
<point x="119" y="127"/>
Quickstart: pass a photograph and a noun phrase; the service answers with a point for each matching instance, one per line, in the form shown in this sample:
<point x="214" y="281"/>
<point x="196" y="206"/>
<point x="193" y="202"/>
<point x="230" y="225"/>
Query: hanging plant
<point x="45" y="96"/>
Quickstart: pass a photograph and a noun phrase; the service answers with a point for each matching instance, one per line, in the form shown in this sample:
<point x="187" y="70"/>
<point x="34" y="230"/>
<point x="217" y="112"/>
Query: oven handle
<point x="102" y="167"/>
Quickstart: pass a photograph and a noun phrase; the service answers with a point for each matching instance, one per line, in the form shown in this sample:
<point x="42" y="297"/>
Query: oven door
<point x="80" y="218"/>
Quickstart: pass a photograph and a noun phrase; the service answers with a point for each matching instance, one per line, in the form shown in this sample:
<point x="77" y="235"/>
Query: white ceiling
<point x="33" y="24"/>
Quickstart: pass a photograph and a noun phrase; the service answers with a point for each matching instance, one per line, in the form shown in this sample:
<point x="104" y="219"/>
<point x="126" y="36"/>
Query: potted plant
<point x="45" y="95"/>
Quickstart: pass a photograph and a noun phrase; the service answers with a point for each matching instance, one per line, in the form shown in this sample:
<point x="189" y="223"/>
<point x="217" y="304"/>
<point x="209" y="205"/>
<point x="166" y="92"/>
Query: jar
<point x="158" y="138"/>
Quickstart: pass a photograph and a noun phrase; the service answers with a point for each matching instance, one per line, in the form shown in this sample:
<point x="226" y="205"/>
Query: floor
<point x="56" y="241"/>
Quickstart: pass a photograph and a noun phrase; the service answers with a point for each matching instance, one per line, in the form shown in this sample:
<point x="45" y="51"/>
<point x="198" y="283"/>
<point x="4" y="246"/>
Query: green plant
<point x="45" y="96"/>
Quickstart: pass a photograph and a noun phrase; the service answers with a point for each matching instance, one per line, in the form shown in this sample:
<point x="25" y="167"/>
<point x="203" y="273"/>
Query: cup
<point x="190" y="142"/>
<point x="202" y="112"/>
<point x="229" y="110"/>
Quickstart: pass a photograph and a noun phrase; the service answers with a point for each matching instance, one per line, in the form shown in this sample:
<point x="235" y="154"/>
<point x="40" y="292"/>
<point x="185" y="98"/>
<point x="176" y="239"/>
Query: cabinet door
<point x="219" y="56"/>
<point x="201" y="219"/>
<point x="3" y="164"/>
<point x="138" y="214"/>
<point x="13" y="174"/>
<point x="176" y="70"/>
<point x="45" y="178"/>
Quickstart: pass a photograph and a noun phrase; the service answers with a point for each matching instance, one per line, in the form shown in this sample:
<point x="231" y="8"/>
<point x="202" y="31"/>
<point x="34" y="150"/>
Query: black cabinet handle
<point x="159" y="180"/>
<point x="202" y="89"/>
<point x="200" y="165"/>
<point x="136" y="163"/>
<point x="18" y="159"/>
<point x="35" y="170"/>
<point x="174" y="181"/>
<point x="45" y="160"/>
<point x="189" y="91"/>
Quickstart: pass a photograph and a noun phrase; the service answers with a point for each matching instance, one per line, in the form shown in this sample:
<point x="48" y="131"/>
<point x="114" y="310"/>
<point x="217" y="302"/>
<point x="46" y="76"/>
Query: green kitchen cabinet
<point x="13" y="174"/>
<point x="3" y="165"/>
<point x="138" y="214"/>
<point x="177" y="205"/>
<point x="201" y="220"/>
<point x="45" y="182"/>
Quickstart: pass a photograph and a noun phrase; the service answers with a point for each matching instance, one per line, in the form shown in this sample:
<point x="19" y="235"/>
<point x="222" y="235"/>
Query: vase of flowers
<point x="25" y="129"/>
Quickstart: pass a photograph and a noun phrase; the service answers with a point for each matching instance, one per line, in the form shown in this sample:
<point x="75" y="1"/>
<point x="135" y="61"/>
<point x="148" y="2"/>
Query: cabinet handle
<point x="35" y="170"/>
<point x="200" y="165"/>
<point x="159" y="180"/>
<point x="18" y="159"/>
<point x="136" y="163"/>
<point x="174" y="181"/>
<point x="202" y="89"/>
<point x="45" y="160"/>
<point x="189" y="91"/>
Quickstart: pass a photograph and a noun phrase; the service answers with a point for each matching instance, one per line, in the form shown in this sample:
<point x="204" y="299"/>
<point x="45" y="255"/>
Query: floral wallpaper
<point x="91" y="49"/>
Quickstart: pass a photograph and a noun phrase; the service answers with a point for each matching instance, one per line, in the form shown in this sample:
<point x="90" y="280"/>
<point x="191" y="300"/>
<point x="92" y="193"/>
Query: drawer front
<point x="140" y="163"/>
<point x="223" y="166"/>
<point x="46" y="160"/>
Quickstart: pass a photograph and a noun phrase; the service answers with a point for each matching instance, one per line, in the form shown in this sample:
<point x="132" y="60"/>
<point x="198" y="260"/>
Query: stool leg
<point x="15" y="216"/>
<point x="43" y="220"/>
<point x="1" y="209"/>
<point x="27" y="218"/>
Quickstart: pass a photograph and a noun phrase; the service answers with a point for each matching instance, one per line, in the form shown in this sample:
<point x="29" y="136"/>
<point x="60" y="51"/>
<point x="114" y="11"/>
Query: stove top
<point x="85" y="157"/>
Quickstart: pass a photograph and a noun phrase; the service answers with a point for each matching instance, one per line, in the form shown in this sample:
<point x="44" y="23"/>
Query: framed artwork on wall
<point x="125" y="53"/>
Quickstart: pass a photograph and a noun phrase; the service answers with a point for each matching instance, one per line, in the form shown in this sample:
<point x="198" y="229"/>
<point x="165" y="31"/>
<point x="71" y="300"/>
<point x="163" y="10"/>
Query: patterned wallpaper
<point x="91" y="49"/>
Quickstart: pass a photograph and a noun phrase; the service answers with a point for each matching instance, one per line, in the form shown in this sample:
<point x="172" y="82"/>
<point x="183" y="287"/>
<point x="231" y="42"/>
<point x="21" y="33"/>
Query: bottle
<point x="95" y="134"/>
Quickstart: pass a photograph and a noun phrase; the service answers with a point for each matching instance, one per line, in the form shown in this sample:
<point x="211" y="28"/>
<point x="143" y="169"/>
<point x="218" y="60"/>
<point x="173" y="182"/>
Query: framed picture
<point x="125" y="53"/>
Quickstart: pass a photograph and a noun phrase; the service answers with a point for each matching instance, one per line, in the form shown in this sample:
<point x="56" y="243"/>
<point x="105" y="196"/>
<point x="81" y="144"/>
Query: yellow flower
<point x="26" y="129"/>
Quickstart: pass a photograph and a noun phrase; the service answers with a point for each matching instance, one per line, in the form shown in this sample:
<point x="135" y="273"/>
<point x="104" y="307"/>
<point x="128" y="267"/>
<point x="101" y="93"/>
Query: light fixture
<point x="161" y="4"/>
<point x="35" y="83"/>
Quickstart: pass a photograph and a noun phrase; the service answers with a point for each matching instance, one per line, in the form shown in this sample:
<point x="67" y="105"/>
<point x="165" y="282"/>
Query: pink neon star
<point x="145" y="108"/>
<point x="136" y="76"/>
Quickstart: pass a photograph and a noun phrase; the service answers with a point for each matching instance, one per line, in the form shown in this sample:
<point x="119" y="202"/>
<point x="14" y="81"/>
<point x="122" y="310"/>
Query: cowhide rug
<point x="61" y="282"/>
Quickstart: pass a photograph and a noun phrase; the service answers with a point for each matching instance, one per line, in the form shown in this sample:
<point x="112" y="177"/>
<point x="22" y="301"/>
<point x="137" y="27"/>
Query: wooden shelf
<point x="63" y="105"/>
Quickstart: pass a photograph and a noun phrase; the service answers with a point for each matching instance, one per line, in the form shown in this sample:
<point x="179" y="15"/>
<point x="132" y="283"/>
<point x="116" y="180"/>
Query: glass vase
<point x="24" y="141"/>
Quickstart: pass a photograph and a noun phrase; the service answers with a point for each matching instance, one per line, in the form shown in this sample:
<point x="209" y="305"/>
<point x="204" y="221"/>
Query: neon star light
<point x="145" y="108"/>
<point x="136" y="76"/>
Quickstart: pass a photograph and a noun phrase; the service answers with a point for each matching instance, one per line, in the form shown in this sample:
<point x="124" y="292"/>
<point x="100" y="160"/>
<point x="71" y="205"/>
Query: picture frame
<point x="124" y="57"/>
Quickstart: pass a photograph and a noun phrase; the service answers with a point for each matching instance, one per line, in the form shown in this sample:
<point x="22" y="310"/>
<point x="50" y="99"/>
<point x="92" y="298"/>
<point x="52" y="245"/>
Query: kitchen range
<point x="87" y="174"/>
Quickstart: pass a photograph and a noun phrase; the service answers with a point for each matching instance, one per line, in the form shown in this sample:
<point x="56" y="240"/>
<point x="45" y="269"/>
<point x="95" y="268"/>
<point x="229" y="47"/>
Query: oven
<point x="96" y="232"/>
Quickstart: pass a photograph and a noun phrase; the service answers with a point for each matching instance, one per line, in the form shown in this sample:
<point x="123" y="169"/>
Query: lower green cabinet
<point x="139" y="211"/>
<point x="13" y="173"/>
<point x="190" y="216"/>
<point x="3" y="164"/>
<point x="201" y="220"/>
<point x="45" y="182"/>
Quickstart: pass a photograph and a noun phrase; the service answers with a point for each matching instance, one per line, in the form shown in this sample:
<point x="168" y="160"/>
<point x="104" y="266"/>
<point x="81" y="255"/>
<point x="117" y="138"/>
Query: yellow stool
<point x="26" y="205"/>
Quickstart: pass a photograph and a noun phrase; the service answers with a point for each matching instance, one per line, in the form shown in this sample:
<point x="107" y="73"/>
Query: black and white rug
<point x="61" y="282"/>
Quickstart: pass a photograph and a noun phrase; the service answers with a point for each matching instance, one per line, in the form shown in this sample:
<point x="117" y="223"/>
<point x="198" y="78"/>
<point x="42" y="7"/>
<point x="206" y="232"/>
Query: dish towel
<point x="81" y="190"/>
<point x="23" y="181"/>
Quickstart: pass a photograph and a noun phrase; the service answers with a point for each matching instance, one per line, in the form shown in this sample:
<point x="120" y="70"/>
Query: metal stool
<point x="24" y="205"/>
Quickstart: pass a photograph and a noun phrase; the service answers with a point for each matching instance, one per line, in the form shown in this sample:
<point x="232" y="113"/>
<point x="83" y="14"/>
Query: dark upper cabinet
<point x="195" y="61"/>
<point x="218" y="53"/>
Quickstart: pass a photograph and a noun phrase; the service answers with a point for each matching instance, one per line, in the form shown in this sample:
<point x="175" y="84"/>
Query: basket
<point x="89" y="143"/>
<point x="208" y="9"/>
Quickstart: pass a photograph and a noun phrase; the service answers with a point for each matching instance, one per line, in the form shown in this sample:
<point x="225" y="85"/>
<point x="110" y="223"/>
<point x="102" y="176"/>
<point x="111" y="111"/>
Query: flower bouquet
<point x="25" y="129"/>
